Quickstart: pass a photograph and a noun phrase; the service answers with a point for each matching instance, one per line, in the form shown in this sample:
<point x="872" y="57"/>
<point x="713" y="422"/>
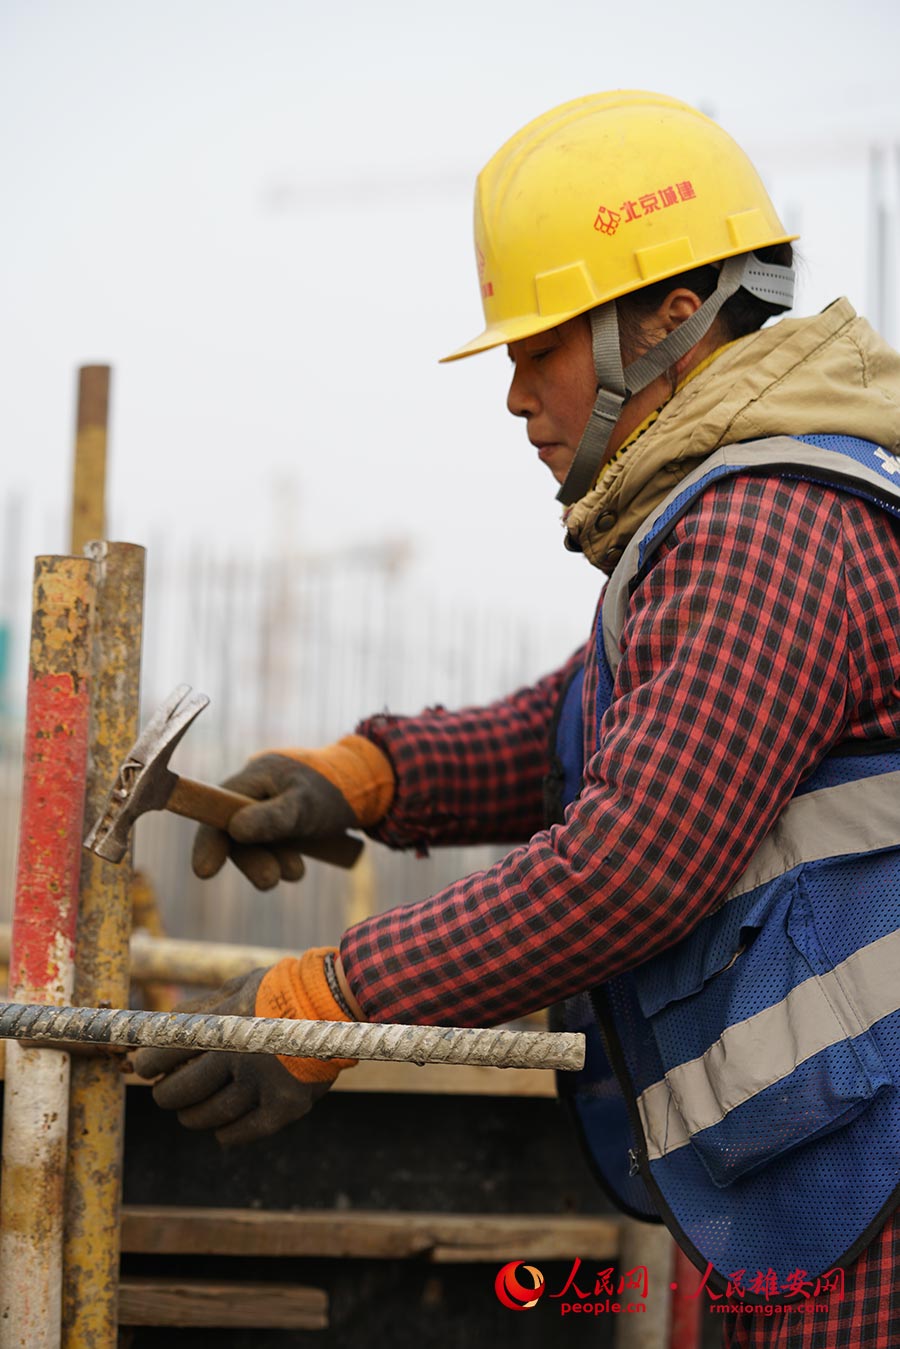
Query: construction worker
<point x="706" y="792"/>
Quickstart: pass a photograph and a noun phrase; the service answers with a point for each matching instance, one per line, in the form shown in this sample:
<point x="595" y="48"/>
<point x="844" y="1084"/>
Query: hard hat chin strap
<point x="766" y="280"/>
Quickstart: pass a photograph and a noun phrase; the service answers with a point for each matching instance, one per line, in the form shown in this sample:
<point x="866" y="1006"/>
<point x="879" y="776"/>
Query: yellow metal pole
<point x="94" y="1170"/>
<point x="35" y="1113"/>
<point x="89" y="481"/>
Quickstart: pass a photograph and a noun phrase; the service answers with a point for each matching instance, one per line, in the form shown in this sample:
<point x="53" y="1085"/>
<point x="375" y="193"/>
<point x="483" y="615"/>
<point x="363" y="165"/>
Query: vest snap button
<point x="605" y="521"/>
<point x="612" y="555"/>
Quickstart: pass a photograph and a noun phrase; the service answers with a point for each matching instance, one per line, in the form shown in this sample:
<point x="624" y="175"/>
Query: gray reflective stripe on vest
<point x="753" y="1055"/>
<point x="775" y="451"/>
<point x="855" y="817"/>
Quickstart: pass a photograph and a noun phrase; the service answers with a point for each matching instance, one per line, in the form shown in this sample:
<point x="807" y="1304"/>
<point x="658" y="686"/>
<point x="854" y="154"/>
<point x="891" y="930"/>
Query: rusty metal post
<point x="89" y="479"/>
<point x="41" y="965"/>
<point x="93" y="1179"/>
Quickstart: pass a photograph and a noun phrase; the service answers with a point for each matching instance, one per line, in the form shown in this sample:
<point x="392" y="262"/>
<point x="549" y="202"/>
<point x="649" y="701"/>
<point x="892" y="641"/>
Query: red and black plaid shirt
<point x="765" y="633"/>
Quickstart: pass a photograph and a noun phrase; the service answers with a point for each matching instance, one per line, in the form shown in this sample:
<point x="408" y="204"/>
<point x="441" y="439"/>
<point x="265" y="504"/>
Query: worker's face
<point x="553" y="387"/>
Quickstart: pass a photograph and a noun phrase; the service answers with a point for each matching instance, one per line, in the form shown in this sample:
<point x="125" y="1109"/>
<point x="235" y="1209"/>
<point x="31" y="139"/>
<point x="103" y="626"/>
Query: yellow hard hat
<point x="602" y="196"/>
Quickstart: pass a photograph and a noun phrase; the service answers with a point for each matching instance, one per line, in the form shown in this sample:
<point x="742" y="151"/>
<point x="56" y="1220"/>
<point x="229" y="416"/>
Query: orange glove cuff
<point x="297" y="989"/>
<point x="361" y="772"/>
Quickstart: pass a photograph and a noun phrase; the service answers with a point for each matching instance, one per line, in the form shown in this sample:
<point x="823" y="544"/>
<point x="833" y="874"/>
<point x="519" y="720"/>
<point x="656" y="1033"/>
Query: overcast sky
<point x="260" y="215"/>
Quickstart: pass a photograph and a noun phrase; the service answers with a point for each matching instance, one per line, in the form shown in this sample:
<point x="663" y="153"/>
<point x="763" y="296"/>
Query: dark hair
<point x="740" y="315"/>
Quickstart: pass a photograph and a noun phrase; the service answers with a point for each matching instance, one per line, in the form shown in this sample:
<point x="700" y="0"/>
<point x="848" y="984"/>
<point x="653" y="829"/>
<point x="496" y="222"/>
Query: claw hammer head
<point x="144" y="781"/>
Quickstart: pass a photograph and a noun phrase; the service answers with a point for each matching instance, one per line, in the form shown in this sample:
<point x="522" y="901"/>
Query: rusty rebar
<point x="306" y="1039"/>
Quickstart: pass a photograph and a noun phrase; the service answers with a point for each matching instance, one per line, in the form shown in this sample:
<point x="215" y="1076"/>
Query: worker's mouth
<point x="548" y="452"/>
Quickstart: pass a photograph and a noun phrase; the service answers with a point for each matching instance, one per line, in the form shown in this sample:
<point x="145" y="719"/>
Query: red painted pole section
<point x="35" y="1114"/>
<point x="57" y="721"/>
<point x="688" y="1303"/>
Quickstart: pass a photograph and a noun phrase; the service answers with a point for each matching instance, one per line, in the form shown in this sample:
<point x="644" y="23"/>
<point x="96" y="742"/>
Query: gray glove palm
<point x="241" y="1096"/>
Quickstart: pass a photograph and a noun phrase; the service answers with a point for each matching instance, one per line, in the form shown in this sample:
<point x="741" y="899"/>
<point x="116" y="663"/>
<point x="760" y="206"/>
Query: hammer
<point x="145" y="782"/>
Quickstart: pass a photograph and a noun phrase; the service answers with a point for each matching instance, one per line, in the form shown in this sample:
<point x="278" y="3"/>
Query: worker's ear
<point x="678" y="305"/>
<point x="639" y="330"/>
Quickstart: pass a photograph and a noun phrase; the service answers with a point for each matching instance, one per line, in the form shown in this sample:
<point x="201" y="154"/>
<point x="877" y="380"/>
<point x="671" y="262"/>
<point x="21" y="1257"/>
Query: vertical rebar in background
<point x="89" y="486"/>
<point x="12" y="589"/>
<point x="35" y="1111"/>
<point x="685" y="1329"/>
<point x="878" y="231"/>
<point x="648" y="1248"/>
<point x="97" y="1101"/>
<point x="895" y="335"/>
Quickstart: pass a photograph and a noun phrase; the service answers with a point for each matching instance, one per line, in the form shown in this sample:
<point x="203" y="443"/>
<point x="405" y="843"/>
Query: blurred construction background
<point x="296" y="647"/>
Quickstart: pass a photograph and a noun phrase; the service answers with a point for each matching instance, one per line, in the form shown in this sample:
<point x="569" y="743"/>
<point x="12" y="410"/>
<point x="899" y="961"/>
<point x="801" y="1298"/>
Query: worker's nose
<point x="521" y="400"/>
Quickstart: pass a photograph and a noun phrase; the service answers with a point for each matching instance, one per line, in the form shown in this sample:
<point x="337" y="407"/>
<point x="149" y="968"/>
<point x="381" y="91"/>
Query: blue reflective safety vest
<point x="742" y="1085"/>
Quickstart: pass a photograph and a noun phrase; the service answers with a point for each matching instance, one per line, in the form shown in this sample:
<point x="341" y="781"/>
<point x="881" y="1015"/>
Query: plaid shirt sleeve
<point x="473" y="776"/>
<point x="735" y="680"/>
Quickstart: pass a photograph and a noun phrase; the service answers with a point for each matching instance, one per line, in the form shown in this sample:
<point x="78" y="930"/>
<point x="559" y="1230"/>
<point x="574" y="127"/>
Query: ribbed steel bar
<point x="308" y="1039"/>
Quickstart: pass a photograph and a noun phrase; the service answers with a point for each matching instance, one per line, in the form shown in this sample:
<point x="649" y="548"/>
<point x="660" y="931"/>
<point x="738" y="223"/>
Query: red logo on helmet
<point x="607" y="221"/>
<point x="487" y="288"/>
<point x="518" y="1296"/>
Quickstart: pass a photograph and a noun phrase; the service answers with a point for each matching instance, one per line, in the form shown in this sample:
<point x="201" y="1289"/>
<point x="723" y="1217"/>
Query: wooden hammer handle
<point x="206" y="804"/>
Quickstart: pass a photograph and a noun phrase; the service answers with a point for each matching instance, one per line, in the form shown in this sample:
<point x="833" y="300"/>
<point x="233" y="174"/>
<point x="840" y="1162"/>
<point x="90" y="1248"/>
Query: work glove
<point x="248" y="1096"/>
<point x="302" y="794"/>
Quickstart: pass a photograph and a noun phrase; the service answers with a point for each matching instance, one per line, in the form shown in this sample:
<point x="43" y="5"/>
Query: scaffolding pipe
<point x="35" y="1114"/>
<point x="89" y="478"/>
<point x="207" y="964"/>
<point x="305" y="1039"/>
<point x="97" y="1097"/>
<point x="171" y="960"/>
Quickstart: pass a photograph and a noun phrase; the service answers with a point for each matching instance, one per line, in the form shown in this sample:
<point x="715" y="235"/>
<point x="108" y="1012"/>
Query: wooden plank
<point x="202" y="1302"/>
<point x="441" y="1237"/>
<point x="437" y="1079"/>
<point x="448" y="1079"/>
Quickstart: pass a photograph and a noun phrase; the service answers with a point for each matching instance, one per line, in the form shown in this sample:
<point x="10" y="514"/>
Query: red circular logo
<point x="518" y="1296"/>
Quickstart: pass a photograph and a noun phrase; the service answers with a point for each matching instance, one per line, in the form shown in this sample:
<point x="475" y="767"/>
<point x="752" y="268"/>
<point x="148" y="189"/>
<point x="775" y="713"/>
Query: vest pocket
<point x="762" y="1048"/>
